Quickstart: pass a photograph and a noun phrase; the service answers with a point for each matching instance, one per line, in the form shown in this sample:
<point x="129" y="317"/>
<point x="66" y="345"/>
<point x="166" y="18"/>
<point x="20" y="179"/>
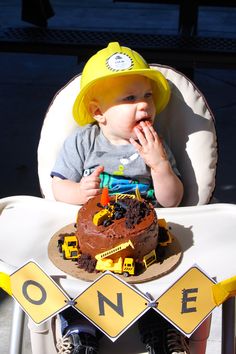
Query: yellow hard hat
<point x="117" y="61"/>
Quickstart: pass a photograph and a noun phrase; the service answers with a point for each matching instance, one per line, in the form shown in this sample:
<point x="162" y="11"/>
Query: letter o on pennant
<point x="25" y="292"/>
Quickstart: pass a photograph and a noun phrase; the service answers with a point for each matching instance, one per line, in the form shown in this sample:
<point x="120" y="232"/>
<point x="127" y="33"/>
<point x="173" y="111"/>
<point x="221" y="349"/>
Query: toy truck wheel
<point x="126" y="274"/>
<point x="107" y="222"/>
<point x="59" y="244"/>
<point x="118" y="215"/>
<point x="64" y="255"/>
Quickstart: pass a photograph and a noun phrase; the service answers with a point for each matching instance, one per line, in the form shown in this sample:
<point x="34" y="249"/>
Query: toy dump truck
<point x="124" y="266"/>
<point x="149" y="259"/>
<point x="165" y="236"/>
<point x="68" y="246"/>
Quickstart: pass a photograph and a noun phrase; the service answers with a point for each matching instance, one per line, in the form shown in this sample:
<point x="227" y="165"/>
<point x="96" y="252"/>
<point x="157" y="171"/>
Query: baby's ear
<point x="95" y="111"/>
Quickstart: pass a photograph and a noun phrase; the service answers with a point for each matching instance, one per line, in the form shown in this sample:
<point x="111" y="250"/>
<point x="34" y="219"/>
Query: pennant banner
<point x="113" y="305"/>
<point x="37" y="293"/>
<point x="193" y="301"/>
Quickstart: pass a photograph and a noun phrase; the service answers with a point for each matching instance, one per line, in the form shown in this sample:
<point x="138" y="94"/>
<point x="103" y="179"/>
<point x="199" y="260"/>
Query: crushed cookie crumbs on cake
<point x="86" y="262"/>
<point x="133" y="210"/>
<point x="136" y="211"/>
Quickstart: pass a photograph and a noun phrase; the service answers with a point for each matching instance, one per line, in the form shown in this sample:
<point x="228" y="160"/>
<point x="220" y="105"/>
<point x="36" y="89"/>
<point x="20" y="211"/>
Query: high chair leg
<point x="228" y="327"/>
<point x="198" y="339"/>
<point x="17" y="330"/>
<point x="42" y="340"/>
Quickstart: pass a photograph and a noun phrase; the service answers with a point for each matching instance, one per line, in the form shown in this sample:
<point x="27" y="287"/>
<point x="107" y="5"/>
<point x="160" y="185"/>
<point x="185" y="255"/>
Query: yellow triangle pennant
<point x="5" y="283"/>
<point x="224" y="290"/>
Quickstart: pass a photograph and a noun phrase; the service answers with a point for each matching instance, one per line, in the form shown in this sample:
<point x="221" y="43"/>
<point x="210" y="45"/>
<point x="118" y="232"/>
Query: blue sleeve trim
<point x="55" y="174"/>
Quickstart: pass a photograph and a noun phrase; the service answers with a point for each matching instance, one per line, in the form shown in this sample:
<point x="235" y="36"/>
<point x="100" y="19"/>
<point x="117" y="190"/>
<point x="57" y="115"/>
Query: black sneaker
<point x="176" y="342"/>
<point x="160" y="337"/>
<point x="75" y="342"/>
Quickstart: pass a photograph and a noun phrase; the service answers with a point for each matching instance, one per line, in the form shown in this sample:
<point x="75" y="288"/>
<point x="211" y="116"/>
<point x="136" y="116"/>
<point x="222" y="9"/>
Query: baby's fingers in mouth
<point x="142" y="123"/>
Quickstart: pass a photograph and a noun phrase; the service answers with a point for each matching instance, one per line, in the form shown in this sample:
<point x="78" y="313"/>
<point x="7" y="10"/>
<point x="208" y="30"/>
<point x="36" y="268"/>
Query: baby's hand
<point x="149" y="145"/>
<point x="89" y="185"/>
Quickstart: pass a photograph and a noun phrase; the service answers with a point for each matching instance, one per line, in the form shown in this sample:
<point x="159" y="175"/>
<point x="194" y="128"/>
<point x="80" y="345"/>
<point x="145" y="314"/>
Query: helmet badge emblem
<point x="119" y="62"/>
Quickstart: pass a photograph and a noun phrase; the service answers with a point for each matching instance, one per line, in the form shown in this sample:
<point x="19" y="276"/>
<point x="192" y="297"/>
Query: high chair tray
<point x="205" y="234"/>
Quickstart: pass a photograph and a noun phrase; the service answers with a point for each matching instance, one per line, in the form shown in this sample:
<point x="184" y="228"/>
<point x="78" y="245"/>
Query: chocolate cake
<point x="121" y="235"/>
<point x="127" y="219"/>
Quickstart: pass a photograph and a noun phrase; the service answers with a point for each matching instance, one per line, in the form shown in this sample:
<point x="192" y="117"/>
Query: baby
<point x="117" y="146"/>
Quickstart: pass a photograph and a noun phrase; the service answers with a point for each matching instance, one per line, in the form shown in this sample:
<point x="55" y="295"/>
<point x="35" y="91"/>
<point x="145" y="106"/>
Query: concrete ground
<point x="28" y="83"/>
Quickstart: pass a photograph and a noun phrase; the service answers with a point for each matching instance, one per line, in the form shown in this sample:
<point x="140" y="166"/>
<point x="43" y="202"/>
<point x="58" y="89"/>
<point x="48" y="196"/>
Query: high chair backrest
<point x="187" y="125"/>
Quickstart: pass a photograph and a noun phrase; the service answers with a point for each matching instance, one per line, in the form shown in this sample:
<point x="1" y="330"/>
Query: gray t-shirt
<point x="124" y="169"/>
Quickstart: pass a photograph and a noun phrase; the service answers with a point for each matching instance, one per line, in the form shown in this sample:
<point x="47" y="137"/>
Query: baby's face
<point x="125" y="102"/>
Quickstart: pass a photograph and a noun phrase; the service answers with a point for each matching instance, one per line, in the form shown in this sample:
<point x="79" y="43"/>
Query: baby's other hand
<point x="149" y="145"/>
<point x="89" y="186"/>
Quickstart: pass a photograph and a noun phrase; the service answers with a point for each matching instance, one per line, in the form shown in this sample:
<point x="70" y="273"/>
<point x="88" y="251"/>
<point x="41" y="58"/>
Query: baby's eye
<point x="148" y="95"/>
<point x="129" y="98"/>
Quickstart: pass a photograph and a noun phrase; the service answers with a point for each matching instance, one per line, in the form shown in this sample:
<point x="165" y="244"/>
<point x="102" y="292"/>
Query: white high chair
<point x="187" y="125"/>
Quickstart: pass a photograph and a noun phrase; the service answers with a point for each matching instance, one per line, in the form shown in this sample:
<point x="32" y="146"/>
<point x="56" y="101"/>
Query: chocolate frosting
<point x="97" y="239"/>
